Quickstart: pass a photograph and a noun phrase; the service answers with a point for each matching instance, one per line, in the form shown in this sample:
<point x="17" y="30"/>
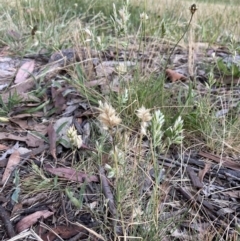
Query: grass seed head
<point x="74" y="138"/>
<point x="108" y="116"/>
<point x="144" y="114"/>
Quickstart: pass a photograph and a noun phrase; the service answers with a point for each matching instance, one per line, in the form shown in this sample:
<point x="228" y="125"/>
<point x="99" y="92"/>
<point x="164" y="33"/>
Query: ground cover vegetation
<point x="119" y="120"/>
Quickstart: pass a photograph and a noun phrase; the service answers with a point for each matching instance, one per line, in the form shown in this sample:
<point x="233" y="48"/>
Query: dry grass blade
<point x="91" y="232"/>
<point x="64" y="232"/>
<point x="72" y="174"/>
<point x="23" y="235"/>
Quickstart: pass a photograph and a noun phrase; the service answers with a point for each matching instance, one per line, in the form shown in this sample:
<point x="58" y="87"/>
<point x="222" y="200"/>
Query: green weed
<point x="13" y="101"/>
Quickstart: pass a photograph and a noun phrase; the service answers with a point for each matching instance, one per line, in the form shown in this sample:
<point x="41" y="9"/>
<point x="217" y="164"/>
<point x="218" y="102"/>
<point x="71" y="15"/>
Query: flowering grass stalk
<point x="74" y="138"/>
<point x="174" y="133"/>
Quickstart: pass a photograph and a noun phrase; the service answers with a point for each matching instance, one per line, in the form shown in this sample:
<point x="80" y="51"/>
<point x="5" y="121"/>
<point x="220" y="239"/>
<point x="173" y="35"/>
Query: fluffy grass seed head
<point x="74" y="138"/>
<point x="144" y="114"/>
<point x="108" y="116"/>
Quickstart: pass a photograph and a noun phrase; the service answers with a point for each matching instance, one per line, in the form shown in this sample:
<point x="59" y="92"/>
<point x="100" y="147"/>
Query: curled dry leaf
<point x="107" y="192"/>
<point x="34" y="199"/>
<point x="32" y="125"/>
<point x="174" y="76"/>
<point x="24" y="71"/>
<point x="234" y="194"/>
<point x="3" y="147"/>
<point x="31" y="219"/>
<point x="202" y="172"/>
<point x="9" y="152"/>
<point x="21" y="89"/>
<point x="17" y="207"/>
<point x="194" y="178"/>
<point x="58" y="100"/>
<point x="29" y="139"/>
<point x="52" y="136"/>
<point x="14" y="159"/>
<point x="72" y="174"/>
<point x="65" y="232"/>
